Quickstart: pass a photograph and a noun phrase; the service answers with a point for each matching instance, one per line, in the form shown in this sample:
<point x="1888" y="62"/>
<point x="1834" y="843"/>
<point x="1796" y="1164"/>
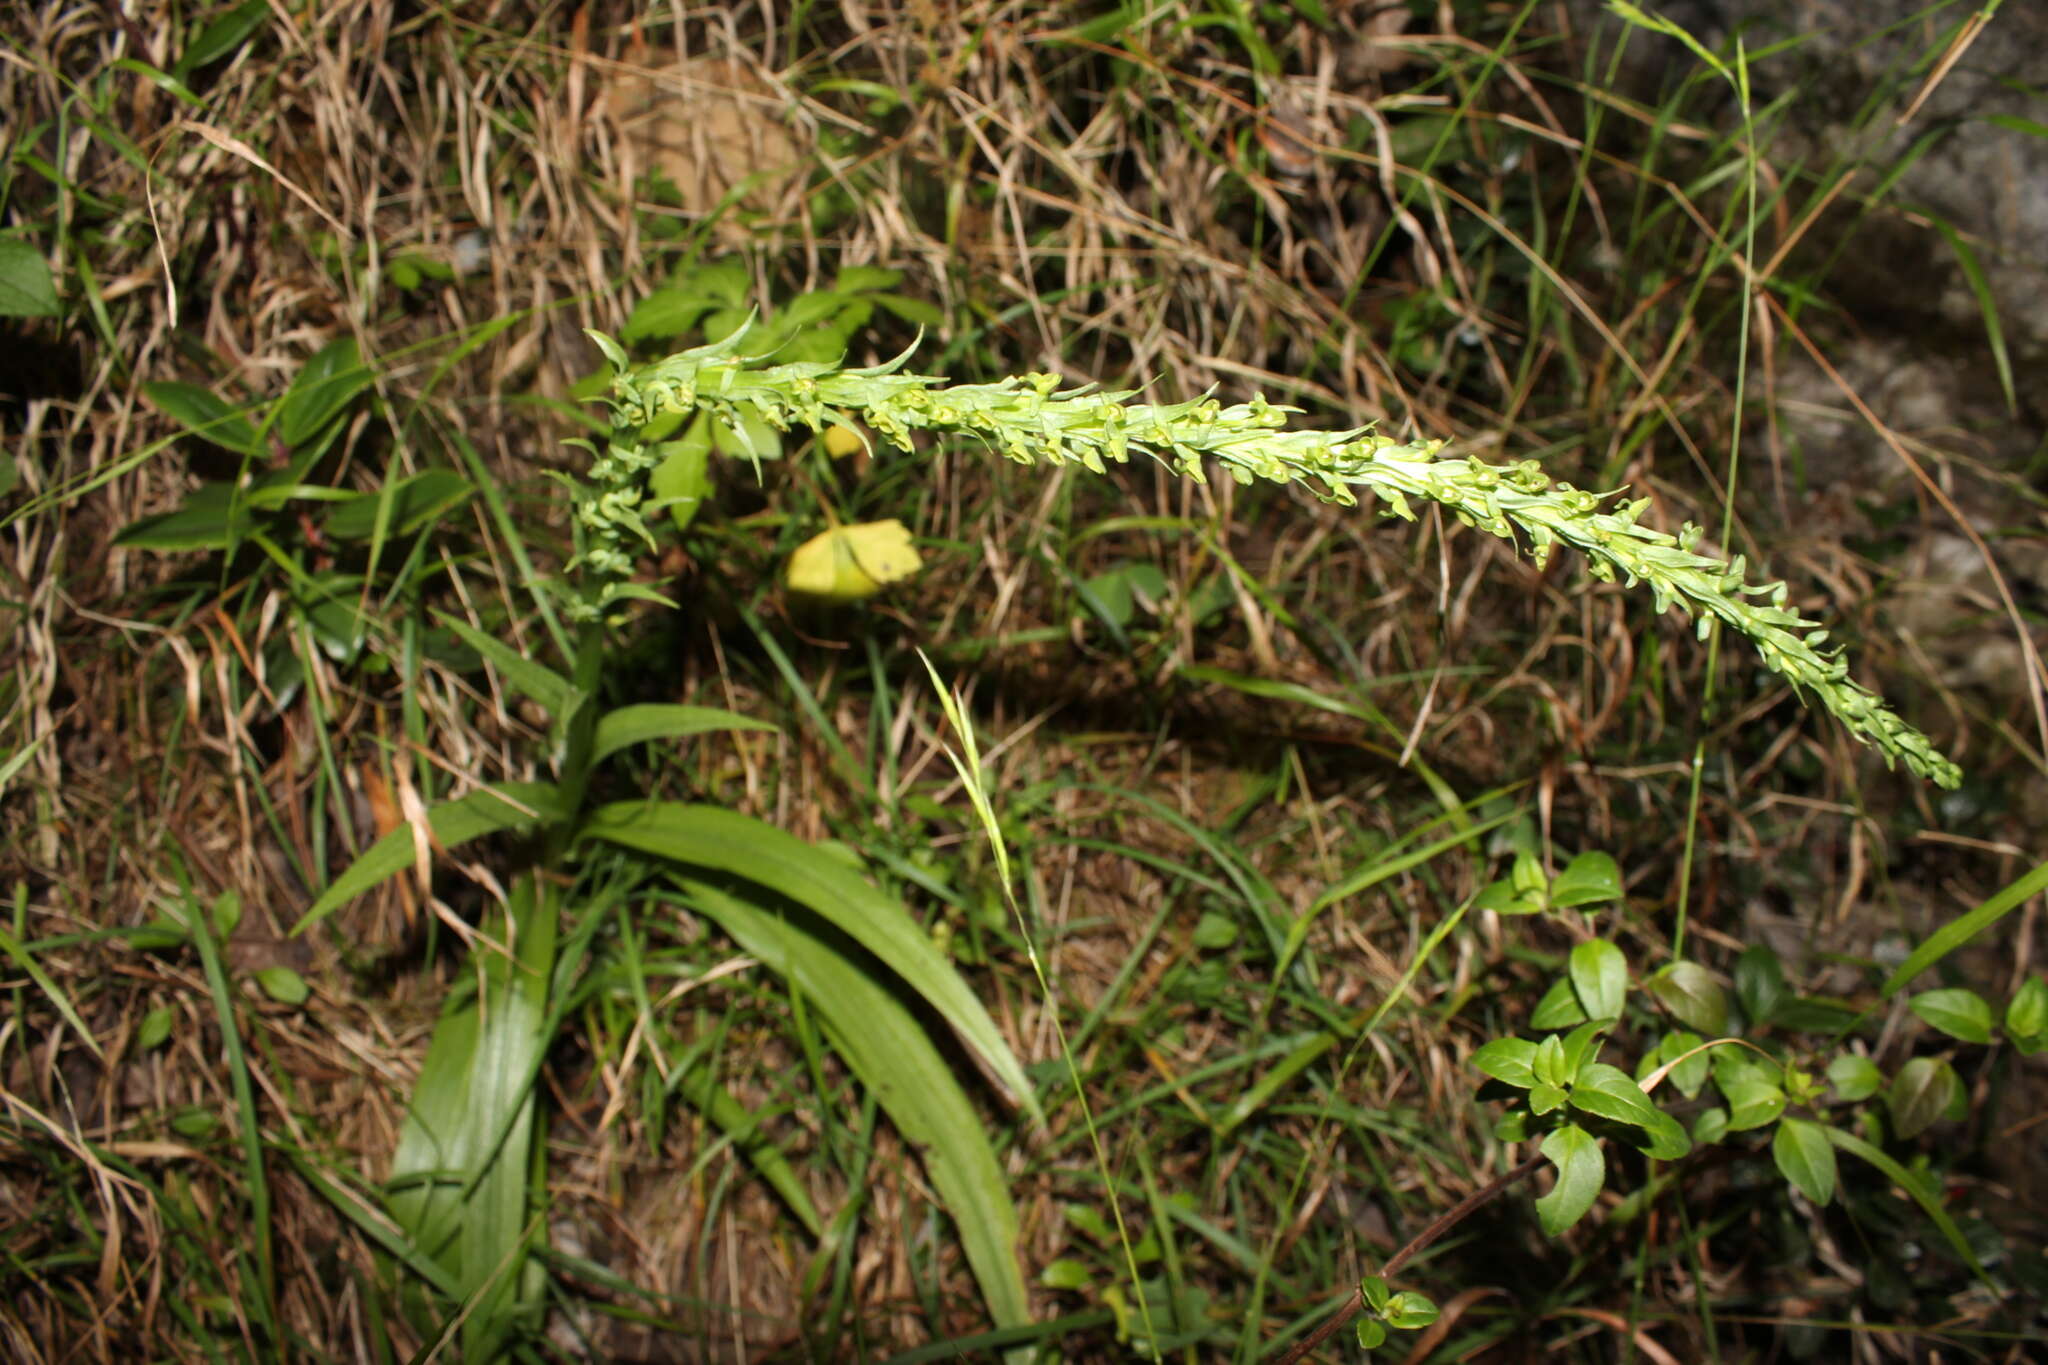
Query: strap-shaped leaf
<point x="630" y="725"/>
<point x="869" y="1025"/>
<point x="713" y="837"/>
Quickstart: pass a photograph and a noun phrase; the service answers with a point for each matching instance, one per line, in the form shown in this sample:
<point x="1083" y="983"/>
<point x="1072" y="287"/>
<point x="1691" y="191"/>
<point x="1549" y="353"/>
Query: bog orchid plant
<point x="1032" y="420"/>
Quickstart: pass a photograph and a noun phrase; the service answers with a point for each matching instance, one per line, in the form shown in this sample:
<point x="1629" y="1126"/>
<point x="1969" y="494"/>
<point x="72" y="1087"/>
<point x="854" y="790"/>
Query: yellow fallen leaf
<point x="852" y="563"/>
<point x="841" y="441"/>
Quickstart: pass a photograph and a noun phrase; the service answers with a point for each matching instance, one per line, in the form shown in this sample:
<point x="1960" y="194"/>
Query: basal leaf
<point x="405" y="507"/>
<point x="330" y="381"/>
<point x="712" y="837"/>
<point x="644" y="724"/>
<point x="899" y="1064"/>
<point x="204" y="414"/>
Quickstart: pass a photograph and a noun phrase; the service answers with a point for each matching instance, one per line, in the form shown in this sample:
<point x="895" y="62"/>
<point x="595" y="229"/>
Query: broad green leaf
<point x="213" y="517"/>
<point x="1919" y="1095"/>
<point x="330" y="381"/>
<point x="2027" y="1015"/>
<point x="205" y="415"/>
<point x="918" y="312"/>
<point x="1587" y="880"/>
<point x="1958" y="1013"/>
<point x="528" y="676"/>
<point x="222" y="36"/>
<point x="1214" y="931"/>
<point x="1546" y="1099"/>
<point x="1752" y="1101"/>
<point x="1806" y="1158"/>
<point x="1580" y="1173"/>
<point x="1581" y="1046"/>
<point x="896" y="1060"/>
<point x="1600" y="978"/>
<point x="1373" y="1289"/>
<point x="866" y="279"/>
<point x="26" y="287"/>
<point x="1690" y="1074"/>
<point x="1711" y="1126"/>
<point x="712" y="837"/>
<point x="644" y="724"/>
<point x="1559" y="1007"/>
<point x="407" y="506"/>
<point x="283" y="985"/>
<point x="1610" y="1093"/>
<point x="1959" y="931"/>
<point x="1511" y="1060"/>
<point x="1853" y="1077"/>
<point x="459" y="1178"/>
<point x="1692" y="995"/>
<point x="155" y="1029"/>
<point x="666" y="313"/>
<point x="1759" y="984"/>
<point x="1065" y="1273"/>
<point x="1548" y="1063"/>
<point x="682" y="481"/>
<point x="1502" y="898"/>
<point x="485" y="811"/>
<point x="1115" y="594"/>
<point x="1410" y="1311"/>
<point x="1371" y="1333"/>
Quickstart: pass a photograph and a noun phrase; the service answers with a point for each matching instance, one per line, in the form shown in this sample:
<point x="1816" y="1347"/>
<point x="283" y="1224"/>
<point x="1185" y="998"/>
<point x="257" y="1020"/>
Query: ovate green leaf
<point x="1806" y="1158"/>
<point x="1958" y="1013"/>
<point x="1580" y="1173"/>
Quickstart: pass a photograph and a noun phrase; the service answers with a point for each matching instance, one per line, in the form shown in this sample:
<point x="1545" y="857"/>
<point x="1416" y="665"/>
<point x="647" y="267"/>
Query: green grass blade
<point x="485" y="811"/>
<point x="1371" y="875"/>
<point x="535" y="680"/>
<point x="712" y="837"/>
<point x="1907" y="1181"/>
<point x="58" y="999"/>
<point x="1962" y="929"/>
<point x="881" y="1040"/>
<point x="738" y="1123"/>
<point x="1987" y="307"/>
<point x="256" y="1180"/>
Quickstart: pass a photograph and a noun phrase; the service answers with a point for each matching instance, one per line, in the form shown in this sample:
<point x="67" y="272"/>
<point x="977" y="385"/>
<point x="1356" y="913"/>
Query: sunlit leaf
<point x="852" y="563"/>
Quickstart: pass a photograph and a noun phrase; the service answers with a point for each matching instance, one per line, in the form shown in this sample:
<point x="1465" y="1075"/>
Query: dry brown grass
<point x="1193" y="224"/>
